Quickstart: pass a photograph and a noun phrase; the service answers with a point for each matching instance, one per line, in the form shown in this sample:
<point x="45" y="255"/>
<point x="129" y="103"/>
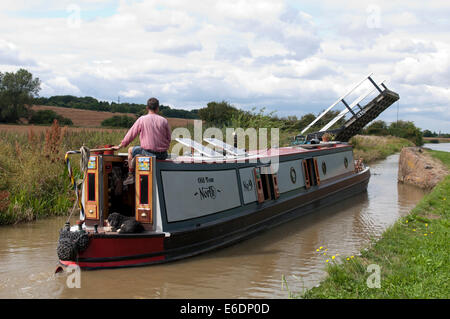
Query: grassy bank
<point x="371" y="148"/>
<point x="413" y="255"/>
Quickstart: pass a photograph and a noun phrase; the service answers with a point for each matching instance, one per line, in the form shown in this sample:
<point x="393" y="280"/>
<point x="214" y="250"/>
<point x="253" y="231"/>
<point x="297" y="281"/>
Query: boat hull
<point x="127" y="250"/>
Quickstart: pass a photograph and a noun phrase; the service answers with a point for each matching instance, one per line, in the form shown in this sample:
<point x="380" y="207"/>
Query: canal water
<point x="251" y="269"/>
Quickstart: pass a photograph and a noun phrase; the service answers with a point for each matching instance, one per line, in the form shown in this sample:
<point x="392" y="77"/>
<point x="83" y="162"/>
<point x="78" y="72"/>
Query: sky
<point x="292" y="57"/>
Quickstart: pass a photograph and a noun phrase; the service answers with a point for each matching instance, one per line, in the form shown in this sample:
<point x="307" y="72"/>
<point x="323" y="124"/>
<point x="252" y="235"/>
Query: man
<point x="155" y="136"/>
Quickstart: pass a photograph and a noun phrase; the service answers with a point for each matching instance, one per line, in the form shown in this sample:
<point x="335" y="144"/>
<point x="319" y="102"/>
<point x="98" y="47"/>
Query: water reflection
<point x="445" y="147"/>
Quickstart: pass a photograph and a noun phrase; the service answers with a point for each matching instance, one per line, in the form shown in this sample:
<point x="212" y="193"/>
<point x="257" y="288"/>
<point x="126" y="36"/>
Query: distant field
<point x="87" y="118"/>
<point x="438" y="139"/>
<point x="11" y="128"/>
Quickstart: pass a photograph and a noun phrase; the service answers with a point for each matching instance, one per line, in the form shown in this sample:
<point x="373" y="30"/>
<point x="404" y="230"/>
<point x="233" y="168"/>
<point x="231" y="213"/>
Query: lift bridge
<point x="360" y="115"/>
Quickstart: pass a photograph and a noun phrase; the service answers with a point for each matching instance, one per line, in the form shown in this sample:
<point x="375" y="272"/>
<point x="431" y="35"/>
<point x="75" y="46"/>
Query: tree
<point x="408" y="130"/>
<point x="428" y="133"/>
<point x="119" y="121"/>
<point x="17" y="92"/>
<point x="48" y="117"/>
<point x="377" y="128"/>
<point x="217" y="113"/>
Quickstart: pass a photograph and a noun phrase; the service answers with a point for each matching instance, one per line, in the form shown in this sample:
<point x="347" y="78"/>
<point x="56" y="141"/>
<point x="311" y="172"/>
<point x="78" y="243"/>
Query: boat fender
<point x="70" y="243"/>
<point x="66" y="249"/>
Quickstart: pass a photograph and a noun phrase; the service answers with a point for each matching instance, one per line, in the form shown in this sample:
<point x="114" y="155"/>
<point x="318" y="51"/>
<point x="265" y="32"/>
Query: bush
<point x="408" y="130"/>
<point x="218" y="113"/>
<point x="48" y="117"/>
<point x="119" y="121"/>
<point x="377" y="128"/>
<point x="403" y="129"/>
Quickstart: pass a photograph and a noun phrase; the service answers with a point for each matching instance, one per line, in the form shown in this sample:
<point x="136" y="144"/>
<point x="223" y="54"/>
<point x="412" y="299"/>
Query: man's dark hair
<point x="152" y="104"/>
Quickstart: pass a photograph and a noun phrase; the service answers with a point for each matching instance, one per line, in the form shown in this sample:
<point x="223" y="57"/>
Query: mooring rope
<point x="84" y="160"/>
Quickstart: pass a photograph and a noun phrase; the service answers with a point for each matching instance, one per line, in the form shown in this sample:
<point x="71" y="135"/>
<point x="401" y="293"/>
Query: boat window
<point x="324" y="168"/>
<point x="144" y="189"/>
<point x="312" y="172"/>
<point x="91" y="187"/>
<point x="306" y="174"/>
<point x="266" y="186"/>
<point x="345" y="162"/>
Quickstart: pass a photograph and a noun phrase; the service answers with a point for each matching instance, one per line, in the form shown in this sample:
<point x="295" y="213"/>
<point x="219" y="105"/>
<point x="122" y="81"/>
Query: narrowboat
<point x="205" y="199"/>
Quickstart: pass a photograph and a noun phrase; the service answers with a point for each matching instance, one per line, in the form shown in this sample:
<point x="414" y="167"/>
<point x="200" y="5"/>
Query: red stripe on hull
<point x="104" y="247"/>
<point x="122" y="263"/>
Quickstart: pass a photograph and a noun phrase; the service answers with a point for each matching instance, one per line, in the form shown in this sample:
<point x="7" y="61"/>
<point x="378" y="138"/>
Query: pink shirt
<point x="154" y="133"/>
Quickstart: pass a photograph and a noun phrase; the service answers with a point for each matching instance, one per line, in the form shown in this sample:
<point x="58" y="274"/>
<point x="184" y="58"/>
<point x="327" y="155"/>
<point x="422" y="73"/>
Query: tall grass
<point x="33" y="174"/>
<point x="371" y="148"/>
<point x="33" y="179"/>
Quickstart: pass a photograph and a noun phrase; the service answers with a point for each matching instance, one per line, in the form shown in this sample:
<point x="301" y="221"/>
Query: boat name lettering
<point x="248" y="185"/>
<point x="207" y="192"/>
<point x="203" y="180"/>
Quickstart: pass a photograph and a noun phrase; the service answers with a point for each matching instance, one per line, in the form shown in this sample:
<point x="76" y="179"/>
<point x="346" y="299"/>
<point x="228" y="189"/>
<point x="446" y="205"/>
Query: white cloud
<point x="425" y="68"/>
<point x="262" y="53"/>
<point x="131" y="93"/>
<point x="411" y="46"/>
<point x="61" y="85"/>
<point x="10" y="55"/>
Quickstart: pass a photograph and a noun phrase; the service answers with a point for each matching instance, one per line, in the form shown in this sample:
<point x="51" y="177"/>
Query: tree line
<point x="404" y="129"/>
<point x="90" y="103"/>
<point x="19" y="90"/>
<point x="224" y="114"/>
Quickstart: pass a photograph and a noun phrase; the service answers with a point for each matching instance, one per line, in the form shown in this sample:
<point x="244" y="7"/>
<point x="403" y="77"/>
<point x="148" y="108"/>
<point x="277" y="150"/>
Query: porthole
<point x="324" y="168"/>
<point x="346" y="162"/>
<point x="293" y="174"/>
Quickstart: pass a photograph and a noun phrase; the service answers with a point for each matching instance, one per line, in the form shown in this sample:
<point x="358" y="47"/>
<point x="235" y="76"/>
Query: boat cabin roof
<point x="256" y="154"/>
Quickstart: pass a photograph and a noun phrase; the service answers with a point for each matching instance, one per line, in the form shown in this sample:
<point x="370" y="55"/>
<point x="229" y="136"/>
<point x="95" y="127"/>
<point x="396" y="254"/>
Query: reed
<point x="33" y="175"/>
<point x="372" y="148"/>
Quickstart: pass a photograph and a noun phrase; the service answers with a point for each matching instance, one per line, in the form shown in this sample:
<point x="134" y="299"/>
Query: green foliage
<point x="119" y="121"/>
<point x="428" y="133"/>
<point x="33" y="177"/>
<point x="223" y="114"/>
<point x="218" y="113"/>
<point x="371" y="148"/>
<point x="167" y="111"/>
<point x="47" y="117"/>
<point x="35" y="182"/>
<point x="377" y="128"/>
<point x="408" y="130"/>
<point x="442" y="156"/>
<point x="17" y="91"/>
<point x="403" y="129"/>
<point x="247" y="119"/>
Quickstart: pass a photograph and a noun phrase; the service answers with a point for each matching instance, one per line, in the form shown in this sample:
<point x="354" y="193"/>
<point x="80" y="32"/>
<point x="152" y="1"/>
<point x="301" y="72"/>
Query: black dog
<point x="124" y="224"/>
